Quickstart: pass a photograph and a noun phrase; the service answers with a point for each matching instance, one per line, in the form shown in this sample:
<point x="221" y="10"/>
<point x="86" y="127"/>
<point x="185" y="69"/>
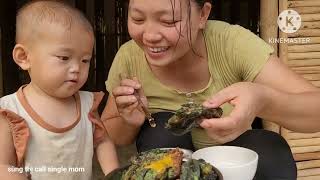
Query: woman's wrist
<point x="132" y="125"/>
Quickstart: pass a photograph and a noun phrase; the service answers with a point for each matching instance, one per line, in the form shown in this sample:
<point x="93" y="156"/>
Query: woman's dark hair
<point x="200" y="5"/>
<point x="201" y="2"/>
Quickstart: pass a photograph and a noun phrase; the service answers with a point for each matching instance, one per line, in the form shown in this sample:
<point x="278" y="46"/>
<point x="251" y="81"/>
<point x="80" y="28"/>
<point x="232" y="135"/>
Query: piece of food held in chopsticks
<point x="189" y="116"/>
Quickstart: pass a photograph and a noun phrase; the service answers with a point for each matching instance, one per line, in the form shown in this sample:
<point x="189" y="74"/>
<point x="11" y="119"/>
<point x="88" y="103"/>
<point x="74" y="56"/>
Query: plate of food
<point x="165" y="164"/>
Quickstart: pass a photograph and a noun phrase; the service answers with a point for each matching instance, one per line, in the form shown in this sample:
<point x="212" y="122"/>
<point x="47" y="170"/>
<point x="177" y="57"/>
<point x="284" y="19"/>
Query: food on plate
<point x="161" y="164"/>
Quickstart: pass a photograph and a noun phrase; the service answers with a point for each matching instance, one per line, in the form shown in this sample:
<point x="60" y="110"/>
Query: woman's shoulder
<point x="128" y="55"/>
<point x="130" y="48"/>
<point x="216" y="25"/>
<point x="224" y="29"/>
<point x="129" y="59"/>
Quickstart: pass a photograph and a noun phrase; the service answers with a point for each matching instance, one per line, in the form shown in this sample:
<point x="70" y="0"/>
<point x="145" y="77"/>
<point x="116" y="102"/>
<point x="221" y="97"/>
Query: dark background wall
<point x="9" y="69"/>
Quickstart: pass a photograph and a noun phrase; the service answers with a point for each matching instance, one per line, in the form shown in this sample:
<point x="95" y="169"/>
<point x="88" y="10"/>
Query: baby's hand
<point x="128" y="106"/>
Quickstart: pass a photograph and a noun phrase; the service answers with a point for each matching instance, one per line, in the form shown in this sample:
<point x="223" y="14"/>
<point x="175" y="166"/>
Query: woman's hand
<point x="127" y="104"/>
<point x="248" y="100"/>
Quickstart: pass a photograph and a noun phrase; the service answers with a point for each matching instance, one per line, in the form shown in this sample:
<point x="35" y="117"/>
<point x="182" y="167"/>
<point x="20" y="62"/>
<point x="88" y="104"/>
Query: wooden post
<point x="269" y="30"/>
<point x="283" y="48"/>
<point x="268" y="21"/>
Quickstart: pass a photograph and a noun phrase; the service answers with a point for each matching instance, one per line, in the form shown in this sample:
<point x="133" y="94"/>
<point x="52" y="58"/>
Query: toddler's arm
<point x="7" y="155"/>
<point x="107" y="155"/>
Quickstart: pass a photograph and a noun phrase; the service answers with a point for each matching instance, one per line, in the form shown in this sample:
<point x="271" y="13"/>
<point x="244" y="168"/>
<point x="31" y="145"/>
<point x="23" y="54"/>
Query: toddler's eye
<point x="63" y="58"/>
<point x="86" y="61"/>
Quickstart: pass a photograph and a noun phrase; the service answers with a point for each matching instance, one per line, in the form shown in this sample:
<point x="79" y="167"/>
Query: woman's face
<point x="164" y="29"/>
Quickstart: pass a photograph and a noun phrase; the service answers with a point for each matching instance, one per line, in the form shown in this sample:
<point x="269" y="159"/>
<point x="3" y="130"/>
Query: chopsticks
<point x="146" y="111"/>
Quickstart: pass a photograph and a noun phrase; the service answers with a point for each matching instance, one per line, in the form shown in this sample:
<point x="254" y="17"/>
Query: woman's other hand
<point x="247" y="98"/>
<point x="127" y="103"/>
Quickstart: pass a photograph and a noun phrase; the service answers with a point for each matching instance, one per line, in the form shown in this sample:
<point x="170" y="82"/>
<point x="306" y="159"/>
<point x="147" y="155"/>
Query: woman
<point x="176" y="51"/>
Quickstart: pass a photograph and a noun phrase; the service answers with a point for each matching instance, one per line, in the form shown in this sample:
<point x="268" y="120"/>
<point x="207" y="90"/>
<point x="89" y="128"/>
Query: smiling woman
<point x="176" y="51"/>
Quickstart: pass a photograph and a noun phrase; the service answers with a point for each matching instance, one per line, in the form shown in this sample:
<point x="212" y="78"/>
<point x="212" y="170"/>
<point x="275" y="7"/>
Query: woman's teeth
<point x="158" y="49"/>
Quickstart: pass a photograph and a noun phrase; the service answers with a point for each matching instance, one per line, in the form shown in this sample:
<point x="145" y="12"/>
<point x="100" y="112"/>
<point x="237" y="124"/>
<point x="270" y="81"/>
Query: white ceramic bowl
<point x="235" y="163"/>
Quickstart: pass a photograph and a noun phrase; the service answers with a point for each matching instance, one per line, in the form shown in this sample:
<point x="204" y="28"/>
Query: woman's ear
<point x="205" y="12"/>
<point x="20" y="56"/>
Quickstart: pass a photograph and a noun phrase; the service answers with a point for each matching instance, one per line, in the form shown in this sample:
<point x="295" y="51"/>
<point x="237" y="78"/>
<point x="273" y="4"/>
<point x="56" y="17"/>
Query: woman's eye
<point x="137" y="20"/>
<point x="170" y="23"/>
<point x="63" y="58"/>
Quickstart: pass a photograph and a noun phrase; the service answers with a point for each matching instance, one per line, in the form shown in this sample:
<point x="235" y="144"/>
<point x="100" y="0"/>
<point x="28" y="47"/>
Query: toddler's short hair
<point x="39" y="12"/>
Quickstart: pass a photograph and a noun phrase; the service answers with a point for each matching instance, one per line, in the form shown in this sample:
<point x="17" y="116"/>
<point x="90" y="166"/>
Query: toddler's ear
<point x="20" y="56"/>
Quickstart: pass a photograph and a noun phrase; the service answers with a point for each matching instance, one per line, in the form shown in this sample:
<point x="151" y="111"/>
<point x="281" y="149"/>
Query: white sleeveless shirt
<point x="56" y="153"/>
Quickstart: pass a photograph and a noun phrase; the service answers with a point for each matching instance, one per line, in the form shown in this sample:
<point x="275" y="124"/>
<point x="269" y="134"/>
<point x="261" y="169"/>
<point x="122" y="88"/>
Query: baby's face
<point x="60" y="59"/>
